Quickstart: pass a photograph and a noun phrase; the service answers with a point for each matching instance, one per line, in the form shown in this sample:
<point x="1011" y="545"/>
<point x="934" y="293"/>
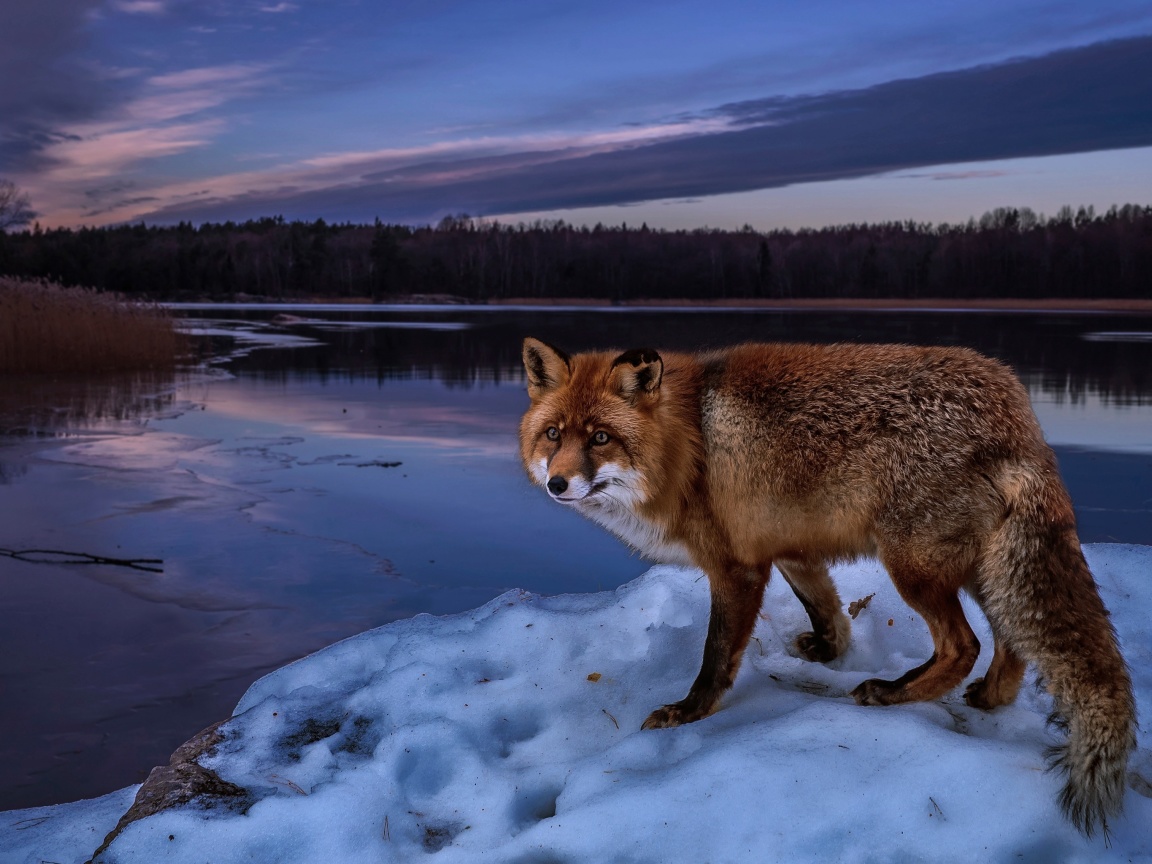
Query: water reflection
<point x="1070" y="354"/>
<point x="331" y="476"/>
<point x="53" y="405"/>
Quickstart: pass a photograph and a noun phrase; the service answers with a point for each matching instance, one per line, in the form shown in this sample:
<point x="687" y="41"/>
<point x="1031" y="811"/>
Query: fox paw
<point x="676" y="714"/>
<point x="980" y="694"/>
<point x="876" y="691"/>
<point x="815" y="648"/>
<point x="976" y="694"/>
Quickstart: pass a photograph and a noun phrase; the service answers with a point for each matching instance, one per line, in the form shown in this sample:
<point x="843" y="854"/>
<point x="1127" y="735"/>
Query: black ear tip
<point x="638" y="357"/>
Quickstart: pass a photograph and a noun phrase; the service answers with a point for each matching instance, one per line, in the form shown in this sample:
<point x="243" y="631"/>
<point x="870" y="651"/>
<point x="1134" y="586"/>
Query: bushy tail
<point x="1040" y="594"/>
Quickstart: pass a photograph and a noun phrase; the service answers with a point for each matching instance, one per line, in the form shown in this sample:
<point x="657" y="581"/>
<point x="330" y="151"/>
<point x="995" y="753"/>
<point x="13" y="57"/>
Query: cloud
<point x="1077" y="100"/>
<point x="472" y="153"/>
<point x="190" y="91"/>
<point x="140" y="7"/>
<point x="41" y="81"/>
<point x="951" y="175"/>
<point x="109" y="151"/>
<point x="105" y="150"/>
<point x="52" y="93"/>
<point x="166" y="117"/>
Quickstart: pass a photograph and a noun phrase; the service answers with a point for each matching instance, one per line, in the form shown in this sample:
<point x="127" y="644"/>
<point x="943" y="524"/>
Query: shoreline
<point x="1130" y="306"/>
<point x="992" y="304"/>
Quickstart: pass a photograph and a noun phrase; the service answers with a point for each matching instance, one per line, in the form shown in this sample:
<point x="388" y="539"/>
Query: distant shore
<point x="974" y="305"/>
<point x="989" y="304"/>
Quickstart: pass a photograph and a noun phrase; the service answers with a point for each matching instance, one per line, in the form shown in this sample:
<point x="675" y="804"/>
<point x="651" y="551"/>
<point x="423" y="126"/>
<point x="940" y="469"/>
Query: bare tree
<point x="15" y="208"/>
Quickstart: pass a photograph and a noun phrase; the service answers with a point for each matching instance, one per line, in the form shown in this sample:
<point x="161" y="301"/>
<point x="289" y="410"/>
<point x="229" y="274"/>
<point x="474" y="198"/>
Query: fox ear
<point x="547" y="367"/>
<point x="637" y="373"/>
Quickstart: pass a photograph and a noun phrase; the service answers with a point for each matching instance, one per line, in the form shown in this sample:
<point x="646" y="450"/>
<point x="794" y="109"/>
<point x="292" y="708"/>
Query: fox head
<point x="584" y="437"/>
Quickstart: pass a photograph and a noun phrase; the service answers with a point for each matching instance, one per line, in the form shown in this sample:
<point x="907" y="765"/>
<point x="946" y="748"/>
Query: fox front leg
<point x="736" y="598"/>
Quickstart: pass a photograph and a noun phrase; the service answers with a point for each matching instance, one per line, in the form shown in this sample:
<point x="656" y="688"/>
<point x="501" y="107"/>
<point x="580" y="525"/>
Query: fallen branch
<point x="56" y="556"/>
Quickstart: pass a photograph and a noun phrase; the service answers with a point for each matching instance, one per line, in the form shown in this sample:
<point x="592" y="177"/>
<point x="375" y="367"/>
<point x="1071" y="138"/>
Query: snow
<point x="512" y="733"/>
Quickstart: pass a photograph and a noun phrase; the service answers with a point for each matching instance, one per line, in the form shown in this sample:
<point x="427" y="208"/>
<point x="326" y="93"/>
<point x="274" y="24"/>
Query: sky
<point x="678" y="114"/>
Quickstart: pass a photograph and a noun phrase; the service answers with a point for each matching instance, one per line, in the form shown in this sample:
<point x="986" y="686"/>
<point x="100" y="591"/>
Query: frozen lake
<point x="359" y="466"/>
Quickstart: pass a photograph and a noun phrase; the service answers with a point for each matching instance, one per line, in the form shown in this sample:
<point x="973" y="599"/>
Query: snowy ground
<point x="511" y="733"/>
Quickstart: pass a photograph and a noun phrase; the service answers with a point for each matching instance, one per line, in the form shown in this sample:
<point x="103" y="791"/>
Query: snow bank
<point x="511" y="733"/>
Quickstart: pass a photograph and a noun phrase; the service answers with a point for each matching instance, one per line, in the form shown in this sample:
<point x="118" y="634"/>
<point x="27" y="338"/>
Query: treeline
<point x="1008" y="252"/>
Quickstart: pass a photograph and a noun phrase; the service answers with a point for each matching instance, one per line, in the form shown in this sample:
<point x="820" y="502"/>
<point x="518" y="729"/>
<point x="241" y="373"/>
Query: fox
<point x="799" y="456"/>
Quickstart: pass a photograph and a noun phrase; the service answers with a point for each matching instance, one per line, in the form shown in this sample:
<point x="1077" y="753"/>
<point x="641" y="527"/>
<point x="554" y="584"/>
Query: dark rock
<point x="179" y="782"/>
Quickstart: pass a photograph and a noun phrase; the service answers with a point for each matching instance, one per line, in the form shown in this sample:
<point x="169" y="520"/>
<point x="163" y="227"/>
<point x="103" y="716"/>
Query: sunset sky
<point x="678" y="114"/>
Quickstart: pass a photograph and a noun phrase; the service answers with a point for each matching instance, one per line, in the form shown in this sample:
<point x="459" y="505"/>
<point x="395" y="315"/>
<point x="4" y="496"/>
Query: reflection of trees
<point x="1009" y="252"/>
<point x="40" y="405"/>
<point x="1048" y="350"/>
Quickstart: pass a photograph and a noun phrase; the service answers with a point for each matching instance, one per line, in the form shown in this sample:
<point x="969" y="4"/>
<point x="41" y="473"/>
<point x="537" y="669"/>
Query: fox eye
<point x="552" y="433"/>
<point x="600" y="438"/>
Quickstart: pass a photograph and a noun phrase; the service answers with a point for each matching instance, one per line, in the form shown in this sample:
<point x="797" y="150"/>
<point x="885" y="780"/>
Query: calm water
<point x="268" y="486"/>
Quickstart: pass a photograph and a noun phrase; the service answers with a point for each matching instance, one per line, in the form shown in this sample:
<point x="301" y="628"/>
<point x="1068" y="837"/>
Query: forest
<point x="1006" y="253"/>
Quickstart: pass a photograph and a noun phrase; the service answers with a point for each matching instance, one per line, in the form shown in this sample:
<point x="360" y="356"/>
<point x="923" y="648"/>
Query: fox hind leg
<point x="956" y="646"/>
<point x="831" y="628"/>
<point x="1001" y="682"/>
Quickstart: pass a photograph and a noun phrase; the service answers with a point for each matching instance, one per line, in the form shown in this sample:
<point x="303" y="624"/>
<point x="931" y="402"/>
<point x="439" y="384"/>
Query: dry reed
<point x="48" y="328"/>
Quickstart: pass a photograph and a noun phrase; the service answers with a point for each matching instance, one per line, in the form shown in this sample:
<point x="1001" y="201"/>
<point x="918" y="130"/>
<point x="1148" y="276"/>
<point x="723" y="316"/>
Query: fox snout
<point x="569" y="489"/>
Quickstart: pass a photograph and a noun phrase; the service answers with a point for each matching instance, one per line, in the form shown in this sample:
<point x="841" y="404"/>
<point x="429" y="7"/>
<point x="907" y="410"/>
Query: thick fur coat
<point x="930" y="459"/>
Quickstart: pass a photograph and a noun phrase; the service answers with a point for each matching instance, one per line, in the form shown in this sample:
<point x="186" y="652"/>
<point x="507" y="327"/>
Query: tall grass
<point x="47" y="328"/>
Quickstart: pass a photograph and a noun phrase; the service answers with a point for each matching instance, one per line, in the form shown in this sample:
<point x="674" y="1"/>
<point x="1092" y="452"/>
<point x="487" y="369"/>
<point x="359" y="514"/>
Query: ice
<point x="511" y="733"/>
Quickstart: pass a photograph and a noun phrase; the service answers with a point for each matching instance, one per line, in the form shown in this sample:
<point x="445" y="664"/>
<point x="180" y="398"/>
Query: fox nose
<point x="557" y="485"/>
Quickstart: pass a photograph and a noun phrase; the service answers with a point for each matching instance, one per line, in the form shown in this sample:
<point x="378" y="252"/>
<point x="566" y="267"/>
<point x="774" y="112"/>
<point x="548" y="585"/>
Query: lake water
<point x="336" y="473"/>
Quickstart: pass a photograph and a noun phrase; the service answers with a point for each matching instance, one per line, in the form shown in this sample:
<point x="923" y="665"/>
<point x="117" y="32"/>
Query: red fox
<point x="930" y="459"/>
